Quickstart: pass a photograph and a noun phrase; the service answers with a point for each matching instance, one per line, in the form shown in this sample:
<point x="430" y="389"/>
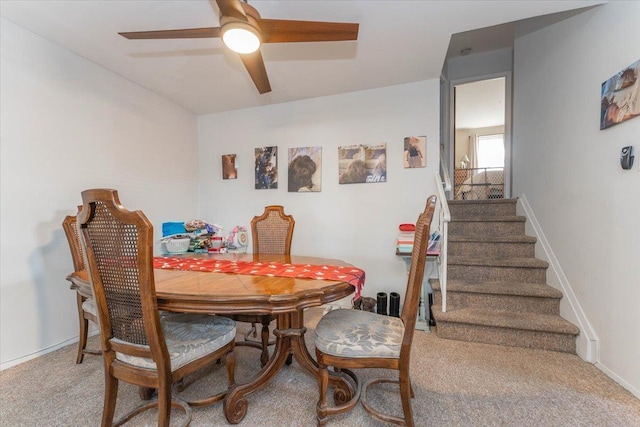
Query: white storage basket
<point x="177" y="245"/>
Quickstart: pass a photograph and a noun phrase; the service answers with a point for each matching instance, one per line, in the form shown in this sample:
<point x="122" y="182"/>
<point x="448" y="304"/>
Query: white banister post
<point x="444" y="218"/>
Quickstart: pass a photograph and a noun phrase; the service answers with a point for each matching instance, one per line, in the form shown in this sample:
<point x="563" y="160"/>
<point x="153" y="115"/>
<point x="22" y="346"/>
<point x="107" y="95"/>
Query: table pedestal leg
<point x="289" y="337"/>
<point x="235" y="404"/>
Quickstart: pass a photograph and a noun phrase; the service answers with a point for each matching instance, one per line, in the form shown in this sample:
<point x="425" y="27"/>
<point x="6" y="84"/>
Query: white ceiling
<point x="399" y="42"/>
<point x="480" y="104"/>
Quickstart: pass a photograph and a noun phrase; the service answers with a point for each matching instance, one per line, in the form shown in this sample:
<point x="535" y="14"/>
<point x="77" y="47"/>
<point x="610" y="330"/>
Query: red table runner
<point x="352" y="275"/>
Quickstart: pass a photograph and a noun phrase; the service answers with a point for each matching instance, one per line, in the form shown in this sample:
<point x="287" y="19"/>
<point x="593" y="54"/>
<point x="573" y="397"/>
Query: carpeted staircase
<point x="496" y="288"/>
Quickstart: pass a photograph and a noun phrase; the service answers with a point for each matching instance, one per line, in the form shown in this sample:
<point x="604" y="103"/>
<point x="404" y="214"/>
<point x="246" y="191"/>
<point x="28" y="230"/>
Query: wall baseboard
<point x="619" y="380"/>
<point x="11" y="363"/>
<point x="587" y="343"/>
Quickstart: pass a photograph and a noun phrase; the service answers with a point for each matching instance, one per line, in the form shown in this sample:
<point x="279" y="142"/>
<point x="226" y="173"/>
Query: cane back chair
<point x="271" y="233"/>
<point x="84" y="296"/>
<point x="139" y="346"/>
<point x="350" y="339"/>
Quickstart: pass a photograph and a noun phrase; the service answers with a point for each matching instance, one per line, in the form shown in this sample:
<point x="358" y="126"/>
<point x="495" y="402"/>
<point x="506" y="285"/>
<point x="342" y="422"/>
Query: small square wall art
<point x="305" y="169"/>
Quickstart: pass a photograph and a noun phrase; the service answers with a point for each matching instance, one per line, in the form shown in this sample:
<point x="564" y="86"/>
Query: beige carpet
<point x="455" y="383"/>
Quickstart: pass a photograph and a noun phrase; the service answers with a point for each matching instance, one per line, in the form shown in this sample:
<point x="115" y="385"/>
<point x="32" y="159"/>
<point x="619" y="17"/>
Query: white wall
<point x="479" y="64"/>
<point x="354" y="222"/>
<point x="69" y="125"/>
<point x="569" y="170"/>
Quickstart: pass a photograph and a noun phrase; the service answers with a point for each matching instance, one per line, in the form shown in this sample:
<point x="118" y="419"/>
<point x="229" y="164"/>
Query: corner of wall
<point x="587" y="343"/>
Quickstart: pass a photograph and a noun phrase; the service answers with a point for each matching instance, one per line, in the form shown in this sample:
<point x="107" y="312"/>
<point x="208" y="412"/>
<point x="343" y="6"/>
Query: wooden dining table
<point x="211" y="292"/>
<point x="285" y="297"/>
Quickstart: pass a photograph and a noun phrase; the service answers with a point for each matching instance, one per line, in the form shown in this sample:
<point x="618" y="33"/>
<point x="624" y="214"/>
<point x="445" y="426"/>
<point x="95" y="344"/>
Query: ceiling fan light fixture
<point x="240" y="37"/>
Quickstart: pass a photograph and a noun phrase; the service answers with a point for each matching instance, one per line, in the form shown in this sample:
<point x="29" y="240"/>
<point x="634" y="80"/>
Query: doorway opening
<point x="480" y="160"/>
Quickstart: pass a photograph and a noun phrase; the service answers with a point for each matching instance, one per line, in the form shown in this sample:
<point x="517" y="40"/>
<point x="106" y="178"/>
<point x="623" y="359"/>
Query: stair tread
<point x="540" y="290"/>
<point x="521" y="262"/>
<point x="500" y="218"/>
<point x="482" y="202"/>
<point x="507" y="319"/>
<point x="491" y="238"/>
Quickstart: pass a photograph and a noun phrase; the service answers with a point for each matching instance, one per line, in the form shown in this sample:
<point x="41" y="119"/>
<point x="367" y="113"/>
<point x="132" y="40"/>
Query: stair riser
<point x="482" y="210"/>
<point x="509" y="337"/>
<point x="496" y="274"/>
<point x="522" y="304"/>
<point x="488" y="249"/>
<point x="494" y="228"/>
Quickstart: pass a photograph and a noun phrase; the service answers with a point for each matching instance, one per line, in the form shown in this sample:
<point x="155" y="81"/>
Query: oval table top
<point x="209" y="292"/>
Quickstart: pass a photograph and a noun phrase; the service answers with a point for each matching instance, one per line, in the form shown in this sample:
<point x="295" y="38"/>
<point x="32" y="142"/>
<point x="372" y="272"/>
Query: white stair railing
<point x="444" y="216"/>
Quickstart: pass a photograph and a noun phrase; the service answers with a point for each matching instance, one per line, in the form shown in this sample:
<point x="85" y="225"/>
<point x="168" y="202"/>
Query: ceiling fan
<point x="243" y="31"/>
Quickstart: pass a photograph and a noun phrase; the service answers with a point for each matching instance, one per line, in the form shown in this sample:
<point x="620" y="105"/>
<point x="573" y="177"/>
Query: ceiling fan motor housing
<point x="228" y="23"/>
<point x="251" y="23"/>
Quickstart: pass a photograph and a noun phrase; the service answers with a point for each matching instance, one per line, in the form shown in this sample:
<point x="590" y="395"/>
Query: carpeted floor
<point x="455" y="383"/>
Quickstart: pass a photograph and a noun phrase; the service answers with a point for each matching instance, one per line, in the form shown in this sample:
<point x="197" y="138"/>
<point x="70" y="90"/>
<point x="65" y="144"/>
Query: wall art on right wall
<point x="415" y="152"/>
<point x="619" y="97"/>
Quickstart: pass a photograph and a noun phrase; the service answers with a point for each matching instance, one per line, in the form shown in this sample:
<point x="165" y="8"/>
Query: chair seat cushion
<point x="89" y="305"/>
<point x="357" y="333"/>
<point x="188" y="337"/>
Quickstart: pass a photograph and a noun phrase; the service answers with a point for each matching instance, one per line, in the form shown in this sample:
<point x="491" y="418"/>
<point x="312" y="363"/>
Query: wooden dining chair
<point x="140" y="346"/>
<point x="84" y="296"/>
<point x="271" y="233"/>
<point x="349" y="339"/>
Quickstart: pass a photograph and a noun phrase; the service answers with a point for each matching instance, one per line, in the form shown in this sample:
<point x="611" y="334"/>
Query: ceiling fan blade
<point x="255" y="66"/>
<point x="287" y="31"/>
<point x="187" y="33"/>
<point x="232" y="9"/>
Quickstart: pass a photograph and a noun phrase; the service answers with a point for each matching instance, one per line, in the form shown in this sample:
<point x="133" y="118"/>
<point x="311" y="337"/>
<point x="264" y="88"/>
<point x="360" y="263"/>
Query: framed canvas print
<point x="362" y="163"/>
<point x="266" y="170"/>
<point x="619" y="97"/>
<point x="415" y="152"/>
<point x="305" y="169"/>
<point x="229" y="170"/>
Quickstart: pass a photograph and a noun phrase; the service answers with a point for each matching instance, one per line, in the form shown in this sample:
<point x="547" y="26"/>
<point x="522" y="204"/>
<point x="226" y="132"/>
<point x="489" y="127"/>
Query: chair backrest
<point x="272" y="231"/>
<point x="73" y="237"/>
<point x="416" y="274"/>
<point x="119" y="247"/>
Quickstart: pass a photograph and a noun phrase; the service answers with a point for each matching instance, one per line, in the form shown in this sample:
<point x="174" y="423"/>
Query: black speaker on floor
<point x="394" y="304"/>
<point x="382" y="303"/>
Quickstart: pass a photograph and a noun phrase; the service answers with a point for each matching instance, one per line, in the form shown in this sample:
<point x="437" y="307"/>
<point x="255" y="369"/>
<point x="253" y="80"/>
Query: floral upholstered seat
<point x="188" y="338"/>
<point x="356" y="333"/>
